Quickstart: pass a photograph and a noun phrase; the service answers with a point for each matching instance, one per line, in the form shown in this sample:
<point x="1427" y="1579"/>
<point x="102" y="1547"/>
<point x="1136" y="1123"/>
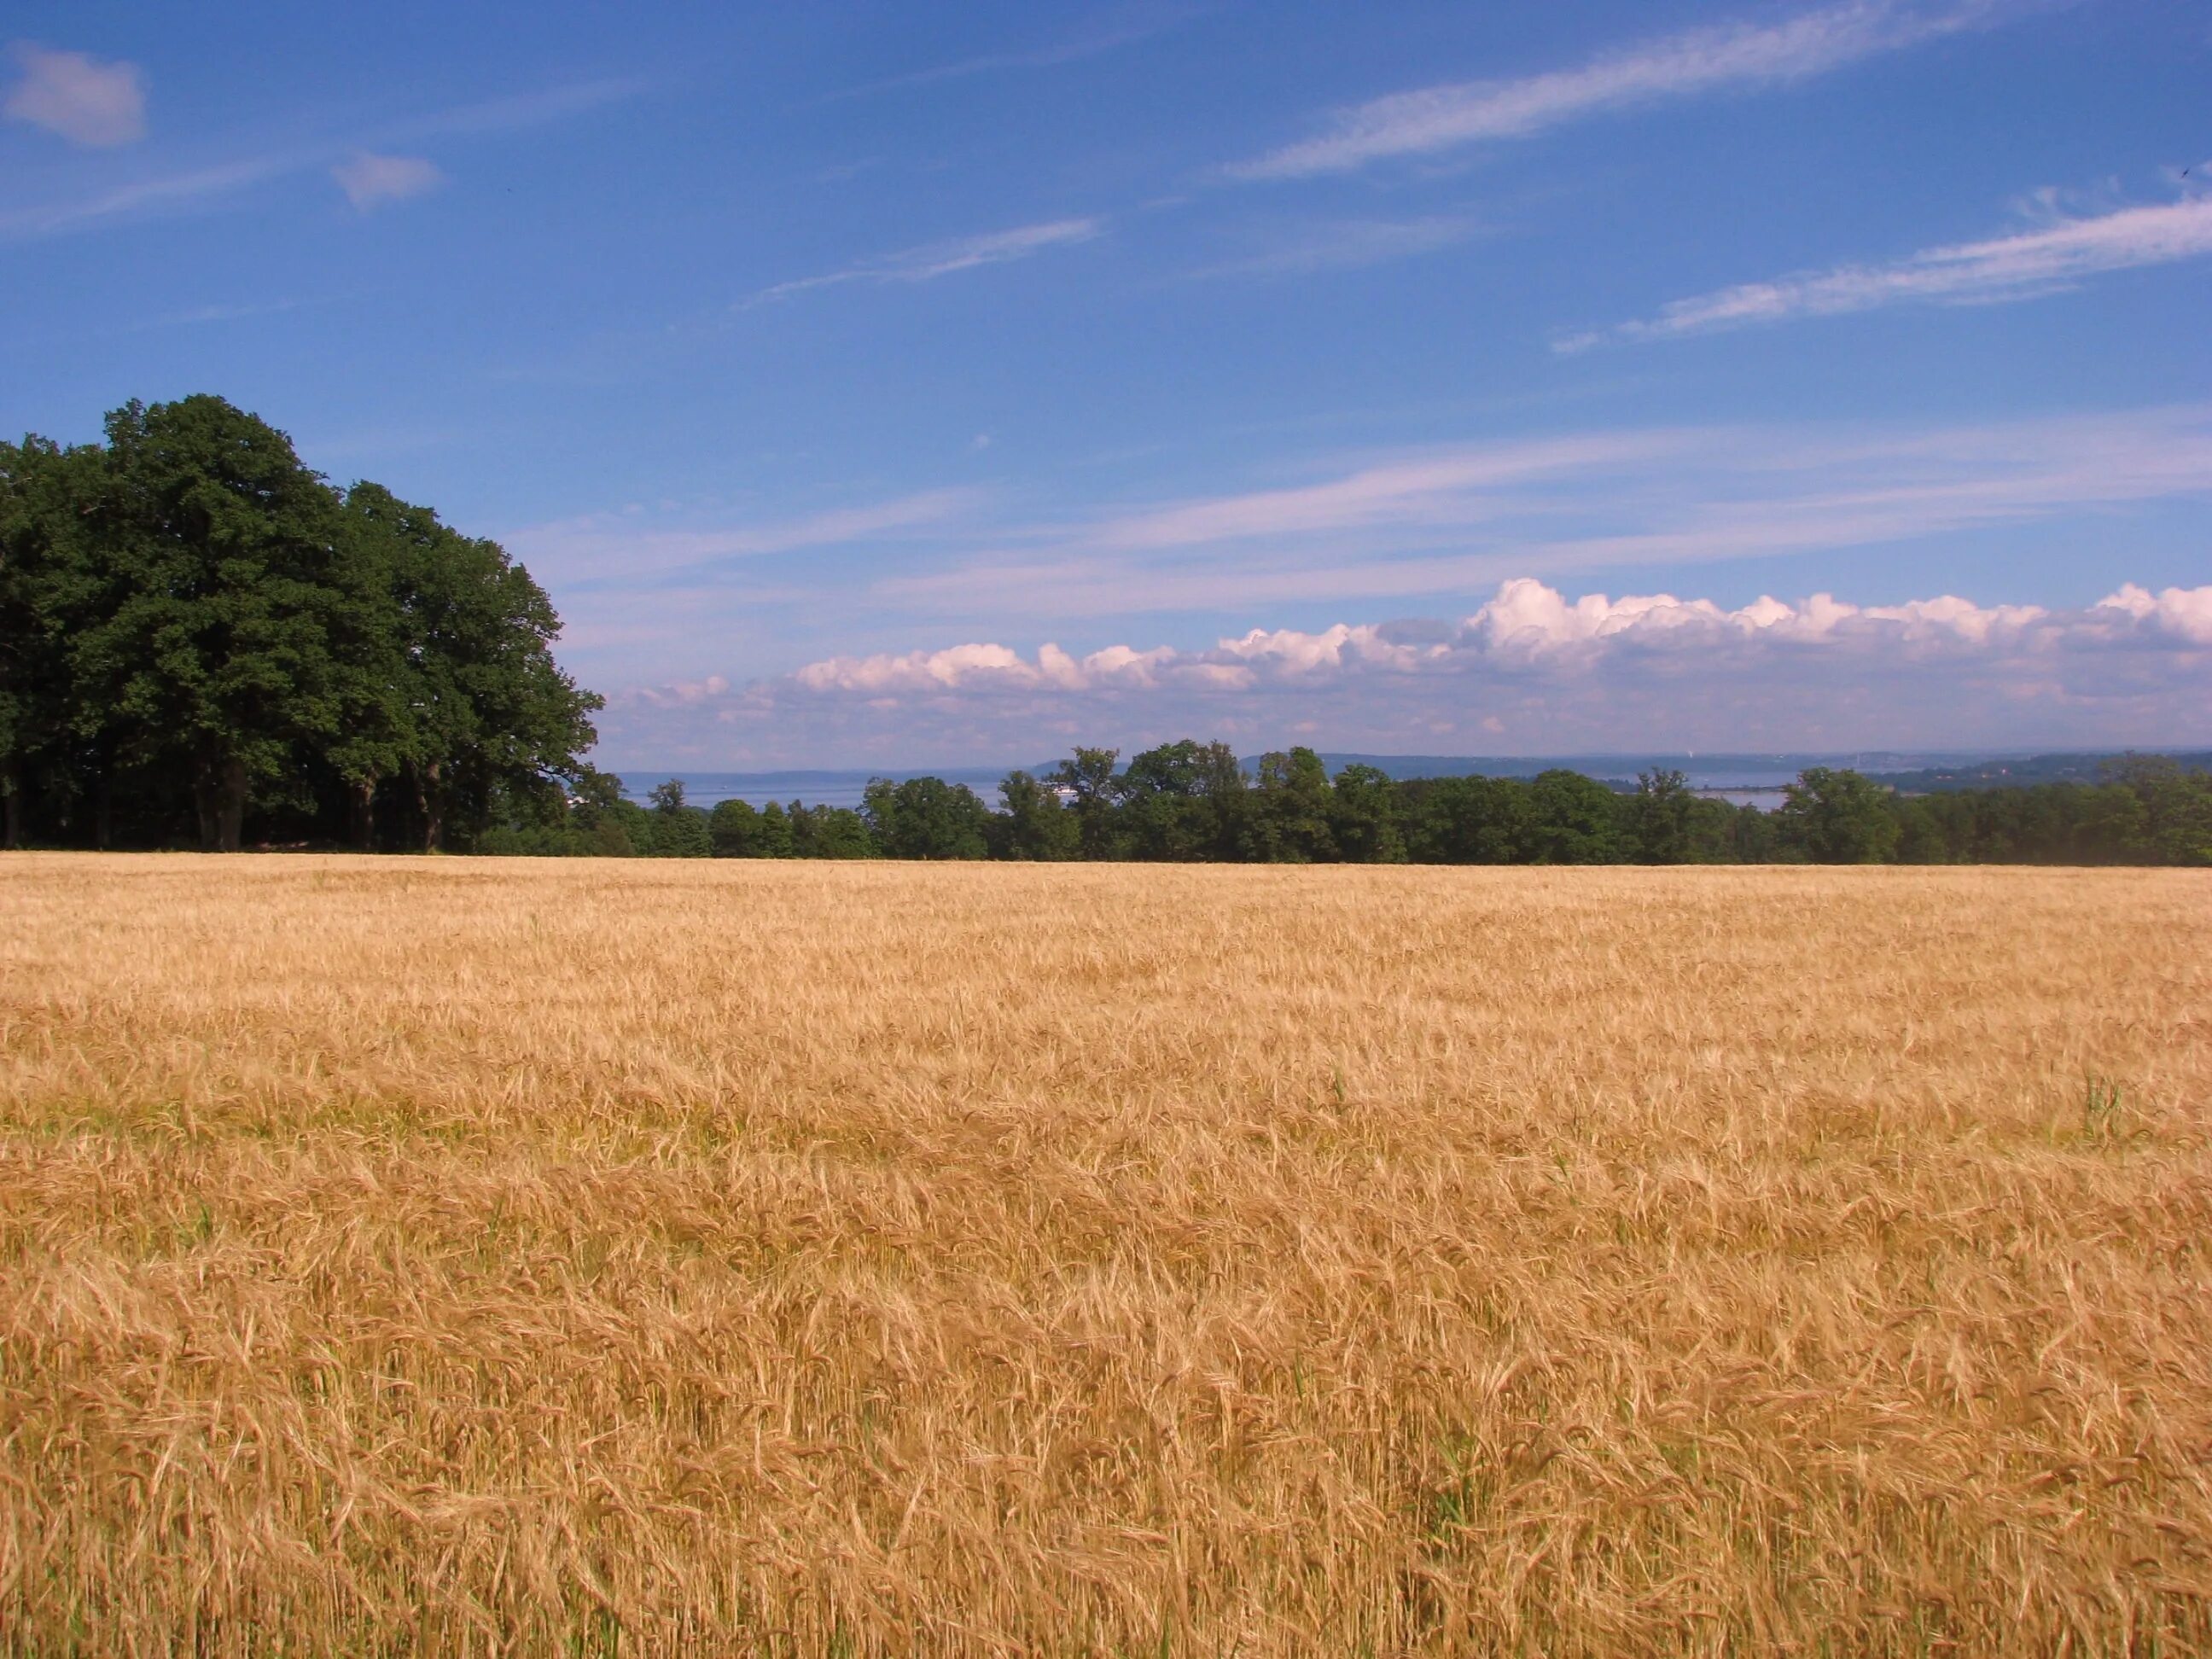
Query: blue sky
<point x="891" y="385"/>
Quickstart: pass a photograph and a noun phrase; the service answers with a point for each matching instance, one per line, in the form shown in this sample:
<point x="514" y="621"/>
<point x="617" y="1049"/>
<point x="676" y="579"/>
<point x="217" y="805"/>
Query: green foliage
<point x="198" y="635"/>
<point x="1034" y="825"/>
<point x="1362" y="817"/>
<point x="926" y="818"/>
<point x="1577" y="820"/>
<point x="839" y="832"/>
<point x="733" y="831"/>
<point x="1286" y="820"/>
<point x="1088" y="776"/>
<point x="2175" y="821"/>
<point x="777" y="838"/>
<point x="1181" y="801"/>
<point x="1473" y="820"/>
<point x="680" y="831"/>
<point x="1661" y="819"/>
<point x="1839" y="816"/>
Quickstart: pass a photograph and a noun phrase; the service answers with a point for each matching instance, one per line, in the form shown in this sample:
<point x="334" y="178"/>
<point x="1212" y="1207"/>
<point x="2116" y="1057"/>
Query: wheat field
<point x="444" y="1255"/>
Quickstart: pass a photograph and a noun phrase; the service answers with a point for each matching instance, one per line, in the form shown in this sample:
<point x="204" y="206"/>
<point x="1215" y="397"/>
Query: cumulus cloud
<point x="370" y="181"/>
<point x="1529" y="620"/>
<point x="1289" y="653"/>
<point x="985" y="668"/>
<point x="2180" y="614"/>
<point x="1740" y="55"/>
<point x="932" y="260"/>
<point x="2035" y="262"/>
<point x="99" y="105"/>
<point x="1551" y="672"/>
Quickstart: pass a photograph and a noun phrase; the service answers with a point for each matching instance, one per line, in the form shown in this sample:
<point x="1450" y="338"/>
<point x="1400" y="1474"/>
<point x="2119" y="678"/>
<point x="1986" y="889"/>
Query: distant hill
<point x="2015" y="771"/>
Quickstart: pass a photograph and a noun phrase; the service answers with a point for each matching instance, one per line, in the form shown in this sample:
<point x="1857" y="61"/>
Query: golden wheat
<point x="478" y="1256"/>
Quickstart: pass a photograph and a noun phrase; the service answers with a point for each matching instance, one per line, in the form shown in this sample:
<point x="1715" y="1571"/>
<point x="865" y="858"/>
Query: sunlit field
<point x="507" y="1257"/>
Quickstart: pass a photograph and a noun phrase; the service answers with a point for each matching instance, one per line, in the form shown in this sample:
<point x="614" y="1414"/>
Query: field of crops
<point x="510" y="1256"/>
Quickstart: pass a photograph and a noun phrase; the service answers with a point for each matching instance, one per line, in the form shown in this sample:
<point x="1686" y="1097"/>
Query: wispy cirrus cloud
<point x="1737" y="56"/>
<point x="217" y="185"/>
<point x="932" y="260"/>
<point x="190" y="190"/>
<point x="1449" y="487"/>
<point x="1456" y="519"/>
<point x="516" y="112"/>
<point x="624" y="549"/>
<point x="98" y="104"/>
<point x="1074" y="49"/>
<point x="2017" y="267"/>
<point x="1531" y="669"/>
<point x="1347" y="245"/>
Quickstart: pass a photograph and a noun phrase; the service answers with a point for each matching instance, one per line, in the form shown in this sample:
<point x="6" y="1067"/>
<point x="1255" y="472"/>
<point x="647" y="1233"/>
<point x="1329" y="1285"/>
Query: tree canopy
<point x="1188" y="802"/>
<point x="198" y="634"/>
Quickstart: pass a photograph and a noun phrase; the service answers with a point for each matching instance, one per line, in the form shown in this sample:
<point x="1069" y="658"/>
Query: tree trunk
<point x="219" y="798"/>
<point x="231" y="821"/>
<point x="430" y="791"/>
<point x="103" y="813"/>
<point x="203" y="805"/>
<point x="12" y="785"/>
<point x="364" y="814"/>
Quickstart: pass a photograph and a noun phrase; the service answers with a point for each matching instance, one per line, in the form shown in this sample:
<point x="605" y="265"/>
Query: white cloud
<point x="935" y="260"/>
<point x="1561" y="673"/>
<point x="2183" y="614"/>
<point x="1288" y="651"/>
<point x="985" y="668"/>
<point x="98" y="104"/>
<point x="1736" y="56"/>
<point x="1527" y="620"/>
<point x="2005" y="268"/>
<point x="370" y="181"/>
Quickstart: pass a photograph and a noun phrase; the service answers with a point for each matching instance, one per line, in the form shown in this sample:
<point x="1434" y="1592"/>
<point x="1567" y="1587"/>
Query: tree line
<point x="204" y="641"/>
<point x="1188" y="802"/>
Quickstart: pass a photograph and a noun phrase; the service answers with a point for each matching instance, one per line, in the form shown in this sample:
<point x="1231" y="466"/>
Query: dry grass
<point x="461" y="1256"/>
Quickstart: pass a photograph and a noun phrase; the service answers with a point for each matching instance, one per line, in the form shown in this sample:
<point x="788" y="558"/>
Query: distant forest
<point x="1187" y="801"/>
<point x="204" y="642"/>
